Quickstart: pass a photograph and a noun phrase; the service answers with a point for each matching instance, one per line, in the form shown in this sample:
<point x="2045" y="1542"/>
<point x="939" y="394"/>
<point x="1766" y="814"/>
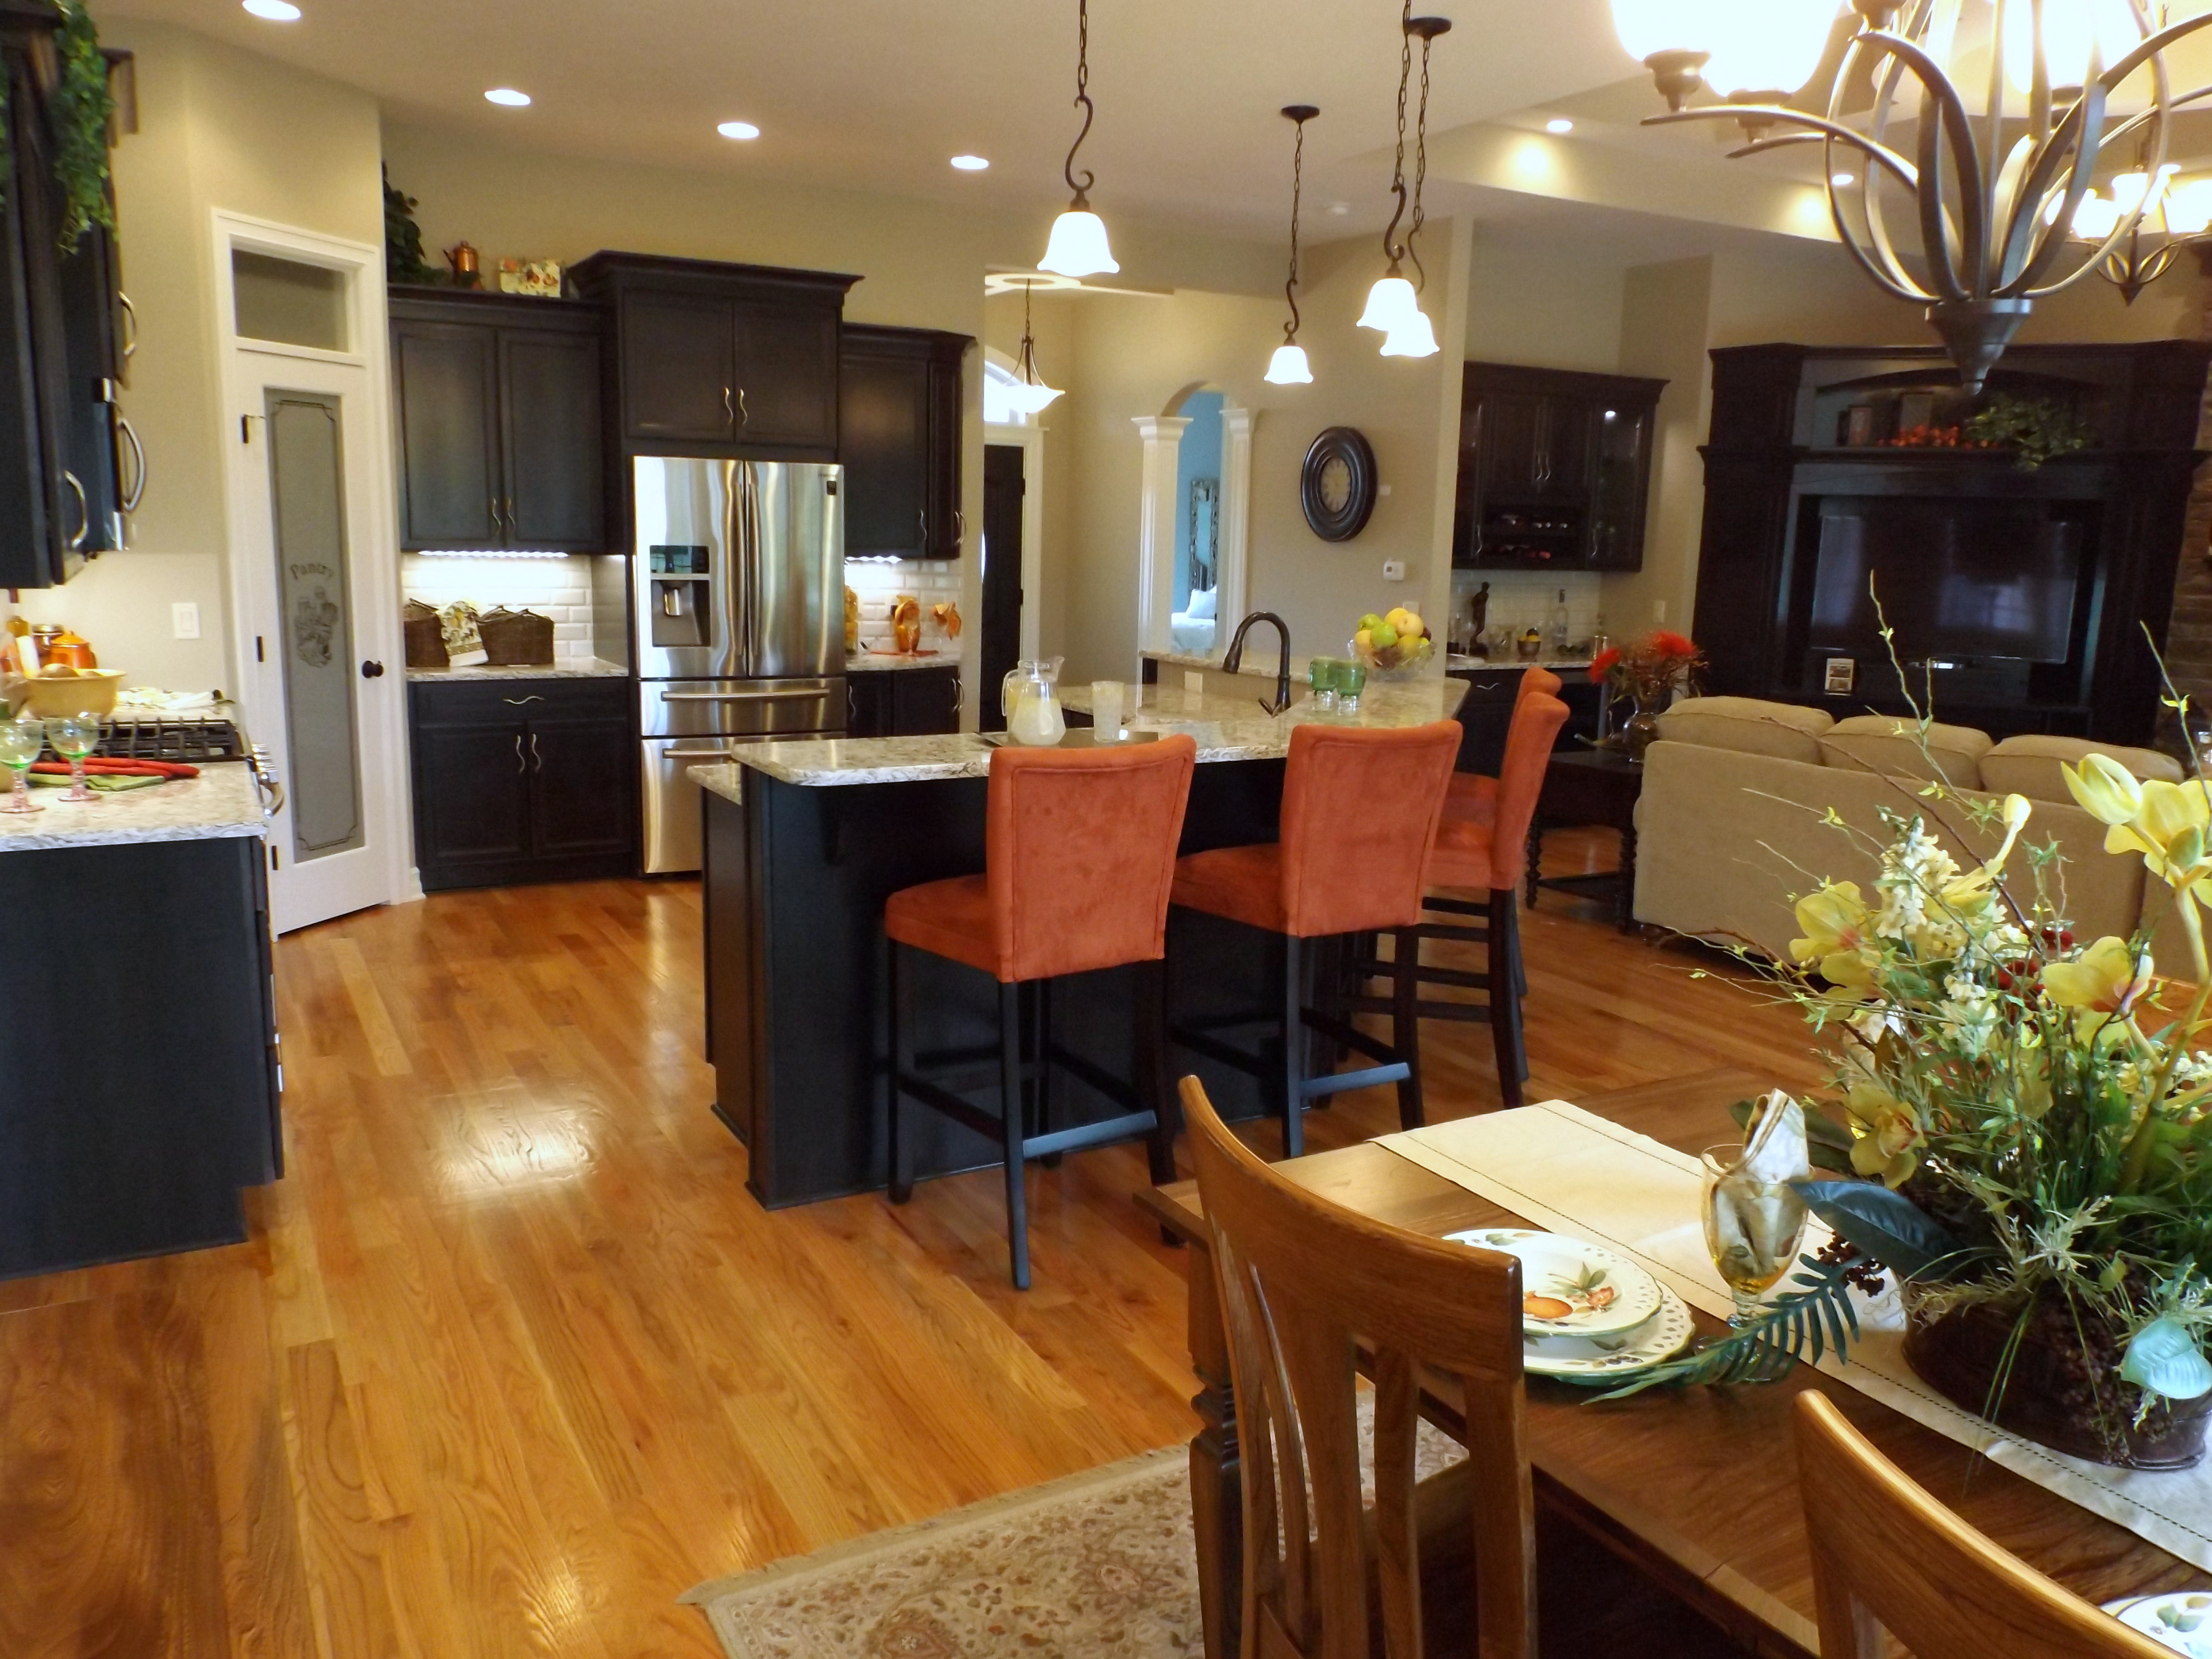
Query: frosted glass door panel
<point x="307" y="470"/>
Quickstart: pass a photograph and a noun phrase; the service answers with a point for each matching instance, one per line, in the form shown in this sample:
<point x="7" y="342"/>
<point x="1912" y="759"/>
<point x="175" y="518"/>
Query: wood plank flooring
<point x="511" y="1358"/>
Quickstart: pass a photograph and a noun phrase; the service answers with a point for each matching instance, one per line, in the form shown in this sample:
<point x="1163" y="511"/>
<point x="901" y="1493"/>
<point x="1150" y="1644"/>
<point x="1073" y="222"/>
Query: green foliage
<point x="83" y="110"/>
<point x="2034" y="429"/>
<point x="1805" y="1322"/>
<point x="403" y="239"/>
<point x="1886" y="1227"/>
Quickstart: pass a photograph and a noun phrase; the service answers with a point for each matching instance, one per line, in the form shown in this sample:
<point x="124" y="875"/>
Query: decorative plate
<point x="1608" y="1360"/>
<point x="1572" y="1287"/>
<point x="2182" y="1620"/>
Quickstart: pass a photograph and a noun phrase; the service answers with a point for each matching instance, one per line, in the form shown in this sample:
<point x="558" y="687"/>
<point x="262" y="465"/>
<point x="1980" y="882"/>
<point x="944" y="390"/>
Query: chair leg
<point x="1406" y="1022"/>
<point x="1010" y="1083"/>
<point x="900" y="999"/>
<point x="1294" y="1048"/>
<point x="1505" y="994"/>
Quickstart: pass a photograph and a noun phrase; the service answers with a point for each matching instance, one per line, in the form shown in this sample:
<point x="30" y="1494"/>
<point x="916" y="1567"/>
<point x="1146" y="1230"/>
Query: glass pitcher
<point x="1030" y="700"/>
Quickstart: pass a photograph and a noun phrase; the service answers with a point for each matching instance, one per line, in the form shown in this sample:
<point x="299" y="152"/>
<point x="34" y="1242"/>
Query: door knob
<point x="372" y="670"/>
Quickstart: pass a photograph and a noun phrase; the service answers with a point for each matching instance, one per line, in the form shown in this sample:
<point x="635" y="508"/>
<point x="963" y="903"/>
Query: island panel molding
<point x="1338" y="483"/>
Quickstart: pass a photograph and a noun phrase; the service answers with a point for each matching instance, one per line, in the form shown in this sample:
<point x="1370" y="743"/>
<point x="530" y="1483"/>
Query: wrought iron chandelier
<point x="1030" y="395"/>
<point x="1289" y="366"/>
<point x="1996" y="180"/>
<point x="2172" y="218"/>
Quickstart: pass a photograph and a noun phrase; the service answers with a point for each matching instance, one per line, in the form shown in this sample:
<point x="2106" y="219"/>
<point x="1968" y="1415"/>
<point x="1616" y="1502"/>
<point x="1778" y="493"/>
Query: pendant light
<point x="1393" y="304"/>
<point x="1078" y="246"/>
<point x="1030" y="395"/>
<point x="1290" y="366"/>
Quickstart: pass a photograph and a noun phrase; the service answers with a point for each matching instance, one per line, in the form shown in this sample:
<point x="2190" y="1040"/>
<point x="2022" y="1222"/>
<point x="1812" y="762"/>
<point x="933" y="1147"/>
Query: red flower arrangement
<point x="1649" y="669"/>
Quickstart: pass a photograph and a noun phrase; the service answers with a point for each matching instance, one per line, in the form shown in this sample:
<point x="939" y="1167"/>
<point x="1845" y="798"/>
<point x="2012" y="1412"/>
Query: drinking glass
<point x="21" y="742"/>
<point x="73" y="737"/>
<point x="1106" y="710"/>
<point x="1753" y="1228"/>
<point x="1321" y="675"/>
<point x="1351" y="681"/>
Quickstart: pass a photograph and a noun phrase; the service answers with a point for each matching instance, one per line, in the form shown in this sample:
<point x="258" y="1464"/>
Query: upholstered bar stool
<point x="1489" y="855"/>
<point x="1079" y="860"/>
<point x="1360" y="810"/>
<point x="1473" y="795"/>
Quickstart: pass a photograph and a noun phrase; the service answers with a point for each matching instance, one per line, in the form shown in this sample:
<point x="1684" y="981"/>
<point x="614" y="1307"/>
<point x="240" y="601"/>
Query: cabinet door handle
<point x="138" y="458"/>
<point x="517" y="703"/>
<point x="921" y="517"/>
<point x="372" y="670"/>
<point x="744" y="414"/>
<point x="129" y="326"/>
<point x="729" y="412"/>
<point x="514" y="530"/>
<point x="83" y="511"/>
<point x="498" y="530"/>
<point x="959" y="528"/>
<point x="520" y="764"/>
<point x="536" y="760"/>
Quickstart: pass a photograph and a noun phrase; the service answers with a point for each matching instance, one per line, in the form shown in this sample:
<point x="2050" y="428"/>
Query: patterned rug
<point x="1099" y="1564"/>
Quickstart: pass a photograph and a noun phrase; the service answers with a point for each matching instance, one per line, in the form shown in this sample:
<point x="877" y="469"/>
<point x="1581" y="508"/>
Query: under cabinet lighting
<point x="488" y="553"/>
<point x="738" y="130"/>
<point x="970" y="163"/>
<point x="277" y="11"/>
<point x="508" y="97"/>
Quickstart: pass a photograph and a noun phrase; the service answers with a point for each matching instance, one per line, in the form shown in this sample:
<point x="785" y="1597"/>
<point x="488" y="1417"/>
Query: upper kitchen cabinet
<point x="901" y="400"/>
<point x="719" y="359"/>
<point x="501" y="429"/>
<point x="1555" y="468"/>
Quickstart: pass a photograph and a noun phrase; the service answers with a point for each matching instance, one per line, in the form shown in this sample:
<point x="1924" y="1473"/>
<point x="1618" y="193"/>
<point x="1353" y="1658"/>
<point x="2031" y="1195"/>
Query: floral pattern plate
<point x="1571" y="1288"/>
<point x="2182" y="1620"/>
<point x="1607" y="1360"/>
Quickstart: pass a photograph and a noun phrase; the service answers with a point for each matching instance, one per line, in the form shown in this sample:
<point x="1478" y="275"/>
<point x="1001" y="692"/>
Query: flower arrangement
<point x="1647" y="673"/>
<point x="2026" y="1119"/>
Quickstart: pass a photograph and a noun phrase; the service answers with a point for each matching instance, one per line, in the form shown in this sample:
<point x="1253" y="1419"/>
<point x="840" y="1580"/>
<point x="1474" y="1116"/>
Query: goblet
<point x="1753" y="1228"/>
<point x="20" y="742"/>
<point x="73" y="737"/>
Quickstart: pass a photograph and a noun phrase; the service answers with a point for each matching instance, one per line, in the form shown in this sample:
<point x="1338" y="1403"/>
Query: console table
<point x="1589" y="787"/>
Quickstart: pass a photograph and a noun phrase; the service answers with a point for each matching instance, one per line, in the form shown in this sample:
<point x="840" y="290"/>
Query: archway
<point x="1194" y="521"/>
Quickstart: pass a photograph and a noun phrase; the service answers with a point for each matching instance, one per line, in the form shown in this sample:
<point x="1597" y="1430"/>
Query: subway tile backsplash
<point x="559" y="588"/>
<point x="930" y="580"/>
<point x="1519" y="598"/>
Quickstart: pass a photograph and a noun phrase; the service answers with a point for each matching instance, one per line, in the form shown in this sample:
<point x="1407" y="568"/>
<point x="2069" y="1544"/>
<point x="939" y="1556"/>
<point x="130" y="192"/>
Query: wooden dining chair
<point x="1887" y="1557"/>
<point x="1303" y="1283"/>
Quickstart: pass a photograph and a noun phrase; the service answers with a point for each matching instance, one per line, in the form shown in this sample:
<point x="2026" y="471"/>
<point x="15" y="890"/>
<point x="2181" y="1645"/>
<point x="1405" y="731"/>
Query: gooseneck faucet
<point x="1235" y="659"/>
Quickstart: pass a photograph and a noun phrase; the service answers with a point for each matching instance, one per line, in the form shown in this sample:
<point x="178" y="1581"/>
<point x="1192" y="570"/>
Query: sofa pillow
<point x="1887" y="744"/>
<point x="1750" y="726"/>
<point x="1202" y="603"/>
<point x="2029" y="765"/>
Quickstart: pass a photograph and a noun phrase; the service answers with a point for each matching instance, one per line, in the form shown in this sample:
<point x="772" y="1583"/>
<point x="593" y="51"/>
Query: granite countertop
<point x="1460" y="665"/>
<point x="221" y="803"/>
<point x="1226" y="728"/>
<point x="875" y="662"/>
<point x="574" y="668"/>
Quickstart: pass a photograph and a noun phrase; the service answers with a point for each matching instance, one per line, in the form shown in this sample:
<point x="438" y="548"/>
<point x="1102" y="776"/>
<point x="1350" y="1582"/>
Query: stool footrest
<point x="1337" y="1082"/>
<point x="1452" y="907"/>
<point x="1090" y="1134"/>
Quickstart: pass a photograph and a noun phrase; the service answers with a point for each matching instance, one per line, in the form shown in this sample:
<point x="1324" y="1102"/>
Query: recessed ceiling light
<point x="277" y="11"/>
<point x="970" y="163"/>
<point x="1559" y="123"/>
<point x="509" y="97"/>
<point x="1338" y="210"/>
<point x="1843" y="180"/>
<point x="738" y="130"/>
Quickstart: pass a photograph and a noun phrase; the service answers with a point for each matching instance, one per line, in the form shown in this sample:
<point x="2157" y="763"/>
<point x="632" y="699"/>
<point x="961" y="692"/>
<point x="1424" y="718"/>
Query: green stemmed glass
<point x="21" y="742"/>
<point x="73" y="737"/>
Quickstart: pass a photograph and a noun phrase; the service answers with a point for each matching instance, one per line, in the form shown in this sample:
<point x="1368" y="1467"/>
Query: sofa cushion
<point x="2029" y="765"/>
<point x="1749" y="726"/>
<point x="1887" y="744"/>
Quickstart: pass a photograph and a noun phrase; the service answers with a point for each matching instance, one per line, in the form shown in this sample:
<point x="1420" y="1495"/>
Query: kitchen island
<point x="805" y="841"/>
<point x="138" y="1069"/>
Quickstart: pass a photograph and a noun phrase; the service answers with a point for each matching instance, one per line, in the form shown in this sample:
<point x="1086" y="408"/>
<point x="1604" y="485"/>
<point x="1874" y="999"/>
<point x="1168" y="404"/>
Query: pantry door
<point x="320" y="669"/>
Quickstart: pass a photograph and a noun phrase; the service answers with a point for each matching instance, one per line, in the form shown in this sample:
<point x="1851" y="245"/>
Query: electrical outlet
<point x="1659" y="611"/>
<point x="184" y="620"/>
<point x="1393" y="570"/>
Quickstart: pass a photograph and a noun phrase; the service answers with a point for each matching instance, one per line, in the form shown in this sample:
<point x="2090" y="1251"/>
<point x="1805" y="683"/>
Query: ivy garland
<point x="84" y="112"/>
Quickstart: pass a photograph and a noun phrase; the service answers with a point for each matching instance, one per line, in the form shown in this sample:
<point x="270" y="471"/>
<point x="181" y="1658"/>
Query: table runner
<point x="1570" y="1171"/>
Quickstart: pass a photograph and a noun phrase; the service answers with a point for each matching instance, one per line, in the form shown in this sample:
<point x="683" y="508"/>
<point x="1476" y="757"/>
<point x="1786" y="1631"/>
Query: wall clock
<point x="1337" y="485"/>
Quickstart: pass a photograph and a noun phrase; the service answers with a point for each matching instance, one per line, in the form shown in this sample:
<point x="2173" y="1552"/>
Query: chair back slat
<point x="1360" y="808"/>
<point x="1304" y="1285"/>
<point x="1887" y="1557"/>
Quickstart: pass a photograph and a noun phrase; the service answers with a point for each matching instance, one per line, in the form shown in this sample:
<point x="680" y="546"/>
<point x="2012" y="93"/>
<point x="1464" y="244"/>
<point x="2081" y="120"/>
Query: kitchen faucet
<point x="1235" y="659"/>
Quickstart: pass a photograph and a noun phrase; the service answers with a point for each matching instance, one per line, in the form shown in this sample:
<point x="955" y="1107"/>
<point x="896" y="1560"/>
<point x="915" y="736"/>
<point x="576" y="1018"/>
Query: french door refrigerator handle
<point x="819" y="691"/>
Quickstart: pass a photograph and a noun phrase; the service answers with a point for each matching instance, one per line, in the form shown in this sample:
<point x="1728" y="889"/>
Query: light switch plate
<point x="1843" y="674"/>
<point x="1393" y="570"/>
<point x="184" y="620"/>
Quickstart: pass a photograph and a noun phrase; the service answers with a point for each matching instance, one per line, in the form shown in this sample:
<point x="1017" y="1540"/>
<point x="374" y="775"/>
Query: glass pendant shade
<point x="1648" y="27"/>
<point x="1411" y="337"/>
<point x="1289" y="367"/>
<point x="2070" y="29"/>
<point x="1390" y="304"/>
<point x="2188" y="208"/>
<point x="1079" y="246"/>
<point x="1029" y="397"/>
<point x="1766" y="45"/>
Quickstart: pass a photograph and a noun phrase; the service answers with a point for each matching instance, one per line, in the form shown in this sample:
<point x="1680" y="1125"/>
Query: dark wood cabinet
<point x="715" y="359"/>
<point x="903" y="703"/>
<point x="95" y="431"/>
<point x="522" y="780"/>
<point x="500" y="433"/>
<point x="900" y="398"/>
<point x="1555" y="468"/>
<point x="1486" y="714"/>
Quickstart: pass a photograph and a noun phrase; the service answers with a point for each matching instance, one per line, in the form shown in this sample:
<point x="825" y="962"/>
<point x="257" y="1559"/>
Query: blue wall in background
<point x="1200" y="458"/>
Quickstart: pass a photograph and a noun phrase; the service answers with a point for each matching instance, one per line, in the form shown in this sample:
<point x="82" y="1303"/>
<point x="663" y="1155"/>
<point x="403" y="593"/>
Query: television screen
<point x="1954" y="578"/>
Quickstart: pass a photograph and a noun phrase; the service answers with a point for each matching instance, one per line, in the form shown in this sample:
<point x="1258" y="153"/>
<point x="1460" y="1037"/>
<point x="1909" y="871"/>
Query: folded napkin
<point x="106" y="782"/>
<point x="1759" y="1215"/>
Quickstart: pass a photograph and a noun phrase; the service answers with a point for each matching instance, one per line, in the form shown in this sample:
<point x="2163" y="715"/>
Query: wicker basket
<point x="425" y="635"/>
<point x="513" y="639"/>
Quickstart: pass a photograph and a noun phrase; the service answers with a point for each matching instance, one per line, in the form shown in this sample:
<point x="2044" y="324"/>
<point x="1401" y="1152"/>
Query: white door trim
<point x="372" y="512"/>
<point x="1029" y="440"/>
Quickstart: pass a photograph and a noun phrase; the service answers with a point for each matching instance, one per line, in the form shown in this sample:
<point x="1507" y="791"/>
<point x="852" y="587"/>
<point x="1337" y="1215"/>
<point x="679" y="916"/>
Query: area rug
<point x="1099" y="1564"/>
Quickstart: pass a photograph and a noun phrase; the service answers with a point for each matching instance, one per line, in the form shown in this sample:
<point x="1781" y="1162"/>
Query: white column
<point x="1235" y="584"/>
<point x="1155" y="529"/>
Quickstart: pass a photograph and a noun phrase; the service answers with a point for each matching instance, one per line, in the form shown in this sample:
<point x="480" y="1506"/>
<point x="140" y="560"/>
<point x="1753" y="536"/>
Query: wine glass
<point x="1753" y="1228"/>
<point x="20" y="742"/>
<point x="73" y="737"/>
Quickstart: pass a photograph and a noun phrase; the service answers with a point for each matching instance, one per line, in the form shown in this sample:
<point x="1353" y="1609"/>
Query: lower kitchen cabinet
<point x="523" y="781"/>
<point x="903" y="703"/>
<point x="1485" y="716"/>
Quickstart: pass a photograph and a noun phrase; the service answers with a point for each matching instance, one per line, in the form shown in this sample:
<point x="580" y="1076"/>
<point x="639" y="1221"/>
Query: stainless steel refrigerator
<point x="739" y="582"/>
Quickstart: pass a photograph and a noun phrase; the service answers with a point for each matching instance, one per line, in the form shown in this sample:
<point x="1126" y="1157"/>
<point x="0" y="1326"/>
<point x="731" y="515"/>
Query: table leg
<point x="1535" y="856"/>
<point x="1217" y="1481"/>
<point x="1627" y="899"/>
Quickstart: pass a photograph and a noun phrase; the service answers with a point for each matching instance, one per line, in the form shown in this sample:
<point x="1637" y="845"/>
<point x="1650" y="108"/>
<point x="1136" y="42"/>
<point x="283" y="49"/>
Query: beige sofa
<point x="1729" y="827"/>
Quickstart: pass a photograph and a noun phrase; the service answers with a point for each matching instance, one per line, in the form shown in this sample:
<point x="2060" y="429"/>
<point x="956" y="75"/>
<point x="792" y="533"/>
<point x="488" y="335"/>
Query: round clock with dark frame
<point x="1337" y="484"/>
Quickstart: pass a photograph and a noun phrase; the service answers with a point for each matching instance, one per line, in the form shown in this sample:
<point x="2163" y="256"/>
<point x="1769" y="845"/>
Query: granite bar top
<point x="1226" y="728"/>
<point x="883" y="662"/>
<point x="222" y="802"/>
<point x="584" y="668"/>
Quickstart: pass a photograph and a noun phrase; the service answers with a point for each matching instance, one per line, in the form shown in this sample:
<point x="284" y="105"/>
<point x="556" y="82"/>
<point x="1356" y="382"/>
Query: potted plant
<point x="1648" y="673"/>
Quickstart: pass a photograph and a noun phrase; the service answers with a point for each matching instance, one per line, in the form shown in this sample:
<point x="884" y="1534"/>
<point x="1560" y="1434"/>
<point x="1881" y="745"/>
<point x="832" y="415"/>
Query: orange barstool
<point x="1359" y="815"/>
<point x="1473" y="795"/>
<point x="1490" y="856"/>
<point x="1079" y="859"/>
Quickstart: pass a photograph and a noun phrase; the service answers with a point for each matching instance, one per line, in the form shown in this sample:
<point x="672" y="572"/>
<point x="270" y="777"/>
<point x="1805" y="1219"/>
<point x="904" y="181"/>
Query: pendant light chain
<point x="1421" y="166"/>
<point x="1392" y="249"/>
<point x="1082" y="186"/>
<point x="1298" y="192"/>
<point x="1030" y="374"/>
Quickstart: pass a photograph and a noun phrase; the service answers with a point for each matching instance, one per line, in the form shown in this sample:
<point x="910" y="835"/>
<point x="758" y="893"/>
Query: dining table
<point x="1695" y="1486"/>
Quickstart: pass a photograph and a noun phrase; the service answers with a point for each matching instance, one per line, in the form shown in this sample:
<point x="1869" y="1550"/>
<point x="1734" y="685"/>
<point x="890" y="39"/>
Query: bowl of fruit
<point x="1394" y="646"/>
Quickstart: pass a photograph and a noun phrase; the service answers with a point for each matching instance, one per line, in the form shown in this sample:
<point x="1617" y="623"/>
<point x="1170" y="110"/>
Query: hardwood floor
<point x="511" y="1358"/>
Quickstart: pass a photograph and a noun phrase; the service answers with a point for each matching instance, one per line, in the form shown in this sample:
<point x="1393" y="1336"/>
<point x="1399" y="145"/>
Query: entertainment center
<point x="1844" y="488"/>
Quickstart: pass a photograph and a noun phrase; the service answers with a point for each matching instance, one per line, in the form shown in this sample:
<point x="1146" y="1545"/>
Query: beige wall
<point x="1531" y="303"/>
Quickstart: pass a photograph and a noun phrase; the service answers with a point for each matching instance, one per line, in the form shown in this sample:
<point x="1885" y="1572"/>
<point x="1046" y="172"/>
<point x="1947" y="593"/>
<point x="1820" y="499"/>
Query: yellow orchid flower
<point x="1888" y="1135"/>
<point x="2106" y="790"/>
<point x="2107" y="978"/>
<point x="2168" y="829"/>
<point x="1834" y="920"/>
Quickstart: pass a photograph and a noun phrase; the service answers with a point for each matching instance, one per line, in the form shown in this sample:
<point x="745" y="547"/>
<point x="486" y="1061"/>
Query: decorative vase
<point x="1641" y="729"/>
<point x="2054" y="1391"/>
